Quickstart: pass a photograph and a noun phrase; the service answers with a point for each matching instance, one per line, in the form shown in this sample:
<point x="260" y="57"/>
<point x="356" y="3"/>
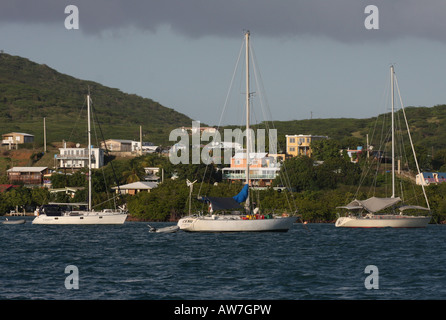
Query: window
<point x="292" y="140"/>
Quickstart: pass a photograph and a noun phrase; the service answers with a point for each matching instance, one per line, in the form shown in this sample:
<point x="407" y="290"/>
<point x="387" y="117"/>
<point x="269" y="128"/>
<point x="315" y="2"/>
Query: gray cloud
<point x="341" y="20"/>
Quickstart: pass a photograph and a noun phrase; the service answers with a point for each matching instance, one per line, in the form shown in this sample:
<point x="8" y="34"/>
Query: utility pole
<point x="44" y="135"/>
<point x="140" y="140"/>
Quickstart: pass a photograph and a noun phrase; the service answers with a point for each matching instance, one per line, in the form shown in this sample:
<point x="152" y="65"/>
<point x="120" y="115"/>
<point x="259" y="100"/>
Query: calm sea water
<point x="312" y="262"/>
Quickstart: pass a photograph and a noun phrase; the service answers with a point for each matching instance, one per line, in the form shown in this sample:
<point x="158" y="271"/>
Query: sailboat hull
<point x="383" y="221"/>
<point x="84" y="219"/>
<point x="234" y="224"/>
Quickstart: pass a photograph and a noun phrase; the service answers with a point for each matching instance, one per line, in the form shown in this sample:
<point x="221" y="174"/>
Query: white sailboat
<point x="53" y="214"/>
<point x="366" y="213"/>
<point x="226" y="214"/>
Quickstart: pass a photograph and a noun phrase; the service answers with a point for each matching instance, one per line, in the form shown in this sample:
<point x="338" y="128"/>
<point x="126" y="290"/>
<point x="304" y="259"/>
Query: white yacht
<point x="227" y="214"/>
<point x="55" y="214"/>
<point x="390" y="212"/>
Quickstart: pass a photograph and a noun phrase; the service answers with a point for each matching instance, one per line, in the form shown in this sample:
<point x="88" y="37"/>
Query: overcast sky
<point x="316" y="57"/>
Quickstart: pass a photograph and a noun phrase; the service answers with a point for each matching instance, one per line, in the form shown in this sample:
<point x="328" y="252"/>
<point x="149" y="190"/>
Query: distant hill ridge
<point x="30" y="91"/>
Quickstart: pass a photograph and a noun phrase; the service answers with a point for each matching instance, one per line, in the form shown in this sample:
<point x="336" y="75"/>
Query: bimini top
<point x="219" y="203"/>
<point x="372" y="204"/>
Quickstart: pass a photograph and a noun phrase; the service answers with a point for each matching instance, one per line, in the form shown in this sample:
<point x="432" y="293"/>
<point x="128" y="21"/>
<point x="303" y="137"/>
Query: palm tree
<point x="135" y="173"/>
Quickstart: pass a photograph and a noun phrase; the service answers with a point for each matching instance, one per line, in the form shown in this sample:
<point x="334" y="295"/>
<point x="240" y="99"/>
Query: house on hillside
<point x="152" y="174"/>
<point x="354" y="154"/>
<point x="77" y="158"/>
<point x="27" y="175"/>
<point x="200" y="130"/>
<point x="70" y="191"/>
<point x="263" y="168"/>
<point x="427" y="178"/>
<point x="136" y="187"/>
<point x="300" y="145"/>
<point x="15" y="138"/>
<point x="120" y="145"/>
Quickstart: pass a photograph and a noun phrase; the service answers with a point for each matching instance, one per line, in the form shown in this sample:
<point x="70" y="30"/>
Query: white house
<point x="76" y="158"/>
<point x="122" y="145"/>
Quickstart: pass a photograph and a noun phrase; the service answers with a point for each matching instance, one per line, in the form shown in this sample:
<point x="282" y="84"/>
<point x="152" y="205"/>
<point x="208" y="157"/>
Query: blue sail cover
<point x="241" y="197"/>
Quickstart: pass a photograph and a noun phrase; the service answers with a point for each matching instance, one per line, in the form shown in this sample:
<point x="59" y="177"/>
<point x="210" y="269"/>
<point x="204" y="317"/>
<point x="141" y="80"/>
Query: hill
<point x="427" y="126"/>
<point x="30" y="92"/>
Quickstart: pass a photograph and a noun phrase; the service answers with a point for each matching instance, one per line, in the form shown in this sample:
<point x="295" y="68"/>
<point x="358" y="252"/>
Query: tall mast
<point x="393" y="130"/>
<point x="89" y="153"/>
<point x="248" y="142"/>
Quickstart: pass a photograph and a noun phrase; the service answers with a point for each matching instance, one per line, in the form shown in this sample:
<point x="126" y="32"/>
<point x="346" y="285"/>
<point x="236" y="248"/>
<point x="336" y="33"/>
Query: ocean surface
<point x="310" y="262"/>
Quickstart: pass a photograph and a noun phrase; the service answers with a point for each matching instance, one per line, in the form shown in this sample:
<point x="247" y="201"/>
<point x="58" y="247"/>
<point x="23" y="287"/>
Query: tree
<point x="59" y="180"/>
<point x="40" y="196"/>
<point x="167" y="200"/>
<point x="439" y="159"/>
<point x="135" y="171"/>
<point x="300" y="173"/>
<point x="325" y="149"/>
<point x="424" y="161"/>
<point x="19" y="197"/>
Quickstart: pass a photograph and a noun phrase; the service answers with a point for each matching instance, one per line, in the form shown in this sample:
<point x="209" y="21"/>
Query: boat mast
<point x="89" y="153"/>
<point x="248" y="142"/>
<point x="393" y="130"/>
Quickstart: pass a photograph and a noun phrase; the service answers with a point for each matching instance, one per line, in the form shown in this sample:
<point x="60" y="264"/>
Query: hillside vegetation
<point x="427" y="125"/>
<point x="30" y="92"/>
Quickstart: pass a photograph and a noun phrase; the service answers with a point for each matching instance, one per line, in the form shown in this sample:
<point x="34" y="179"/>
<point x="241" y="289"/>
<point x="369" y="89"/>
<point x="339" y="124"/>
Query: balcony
<point x="270" y="174"/>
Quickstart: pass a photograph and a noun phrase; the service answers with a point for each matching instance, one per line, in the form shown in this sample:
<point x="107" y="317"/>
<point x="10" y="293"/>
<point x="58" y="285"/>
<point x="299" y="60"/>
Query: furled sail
<point x="242" y="195"/>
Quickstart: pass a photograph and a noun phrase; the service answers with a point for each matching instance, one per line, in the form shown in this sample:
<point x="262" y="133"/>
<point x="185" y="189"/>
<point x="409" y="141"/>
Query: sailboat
<point x="54" y="214"/>
<point x="227" y="214"/>
<point x="367" y="213"/>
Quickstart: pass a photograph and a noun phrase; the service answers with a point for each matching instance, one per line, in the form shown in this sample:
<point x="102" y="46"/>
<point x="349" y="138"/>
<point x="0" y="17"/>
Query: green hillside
<point x="30" y="92"/>
<point x="427" y="126"/>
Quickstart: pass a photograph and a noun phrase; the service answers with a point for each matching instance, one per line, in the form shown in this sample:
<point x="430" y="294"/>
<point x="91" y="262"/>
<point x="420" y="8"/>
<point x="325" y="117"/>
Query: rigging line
<point x="230" y="86"/>
<point x="77" y="121"/>
<point x="376" y="133"/>
<point x="411" y="142"/>
<point x="107" y="152"/>
<point x="266" y="112"/>
<point x="260" y="88"/>
<point x="224" y="108"/>
<point x="93" y="112"/>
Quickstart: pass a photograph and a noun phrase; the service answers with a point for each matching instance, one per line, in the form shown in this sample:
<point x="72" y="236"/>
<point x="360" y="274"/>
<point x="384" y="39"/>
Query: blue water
<point x="316" y="261"/>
